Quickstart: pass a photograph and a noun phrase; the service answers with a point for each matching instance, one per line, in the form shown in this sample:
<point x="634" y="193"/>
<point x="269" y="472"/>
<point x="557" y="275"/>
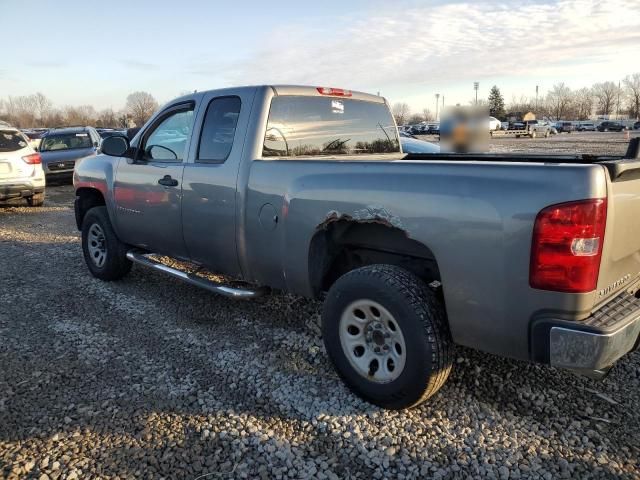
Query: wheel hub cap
<point x="372" y="341"/>
<point x="96" y="244"/>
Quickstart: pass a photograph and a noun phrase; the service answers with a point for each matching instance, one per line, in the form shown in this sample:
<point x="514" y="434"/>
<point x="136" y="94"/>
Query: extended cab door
<point x="148" y="188"/>
<point x="210" y="199"/>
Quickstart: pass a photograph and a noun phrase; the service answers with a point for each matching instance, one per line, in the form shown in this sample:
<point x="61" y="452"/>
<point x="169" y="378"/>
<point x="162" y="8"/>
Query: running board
<point x="220" y="288"/>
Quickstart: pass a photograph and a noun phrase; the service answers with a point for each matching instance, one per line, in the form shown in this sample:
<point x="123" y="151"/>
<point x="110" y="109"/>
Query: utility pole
<point x="437" y="104"/>
<point x="536" y="112"/>
<point x="442" y="103"/>
<point x="475" y="87"/>
<point x="618" y="103"/>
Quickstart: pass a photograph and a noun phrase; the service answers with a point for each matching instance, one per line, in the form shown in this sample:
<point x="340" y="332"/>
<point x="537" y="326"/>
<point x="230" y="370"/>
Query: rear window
<point x="66" y="141"/>
<point x="314" y="126"/>
<point x="11" y="141"/>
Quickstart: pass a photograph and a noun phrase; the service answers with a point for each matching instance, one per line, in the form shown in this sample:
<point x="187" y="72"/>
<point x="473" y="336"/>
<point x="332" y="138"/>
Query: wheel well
<point x="344" y="245"/>
<point x="86" y="199"/>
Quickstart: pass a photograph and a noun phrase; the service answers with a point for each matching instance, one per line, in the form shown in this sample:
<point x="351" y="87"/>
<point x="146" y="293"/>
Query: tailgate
<point x="620" y="265"/>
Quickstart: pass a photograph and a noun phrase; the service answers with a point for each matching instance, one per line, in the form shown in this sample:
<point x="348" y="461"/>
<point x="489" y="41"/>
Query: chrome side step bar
<point x="220" y="288"/>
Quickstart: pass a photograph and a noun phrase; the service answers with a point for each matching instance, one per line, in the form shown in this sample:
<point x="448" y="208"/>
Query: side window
<point x="168" y="139"/>
<point x="218" y="130"/>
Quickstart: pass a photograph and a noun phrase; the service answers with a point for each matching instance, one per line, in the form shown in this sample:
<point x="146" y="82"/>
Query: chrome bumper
<point x="589" y="350"/>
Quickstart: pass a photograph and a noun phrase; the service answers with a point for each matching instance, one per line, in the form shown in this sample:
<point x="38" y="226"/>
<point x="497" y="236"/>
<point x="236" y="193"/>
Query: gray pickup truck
<point x="307" y="190"/>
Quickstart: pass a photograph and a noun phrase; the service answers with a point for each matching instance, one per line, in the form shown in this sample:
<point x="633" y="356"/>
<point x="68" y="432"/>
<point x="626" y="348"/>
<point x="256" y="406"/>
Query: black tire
<point x="36" y="200"/>
<point x="115" y="264"/>
<point x="421" y="319"/>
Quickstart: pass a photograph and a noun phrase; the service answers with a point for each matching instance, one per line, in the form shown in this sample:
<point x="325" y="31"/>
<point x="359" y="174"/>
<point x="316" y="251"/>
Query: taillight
<point x="339" y="92"/>
<point x="567" y="246"/>
<point x="32" y="159"/>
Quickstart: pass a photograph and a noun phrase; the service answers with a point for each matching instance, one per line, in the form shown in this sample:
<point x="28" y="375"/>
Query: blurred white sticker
<point x="337" y="106"/>
<point x="81" y="134"/>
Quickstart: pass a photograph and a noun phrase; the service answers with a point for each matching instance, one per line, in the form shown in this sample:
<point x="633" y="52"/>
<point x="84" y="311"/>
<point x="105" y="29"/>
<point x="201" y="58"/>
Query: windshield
<point x="11" y="141"/>
<point x="300" y="126"/>
<point x="66" y="141"/>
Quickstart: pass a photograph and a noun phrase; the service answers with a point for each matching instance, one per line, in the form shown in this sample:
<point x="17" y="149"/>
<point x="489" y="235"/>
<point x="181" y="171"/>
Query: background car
<point x="565" y="127"/>
<point x="608" y="126"/>
<point x="109" y="132"/>
<point x="35" y="136"/>
<point x="411" y="144"/>
<point x="494" y="124"/>
<point x="62" y="148"/>
<point x="586" y="127"/>
<point x="21" y="173"/>
<point x="636" y="126"/>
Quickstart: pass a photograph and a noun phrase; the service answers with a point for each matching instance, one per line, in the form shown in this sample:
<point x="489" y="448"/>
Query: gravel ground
<point x="152" y="378"/>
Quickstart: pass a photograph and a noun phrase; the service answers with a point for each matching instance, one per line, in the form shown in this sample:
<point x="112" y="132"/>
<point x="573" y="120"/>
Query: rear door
<point x="620" y="264"/>
<point x="148" y="188"/>
<point x="210" y="198"/>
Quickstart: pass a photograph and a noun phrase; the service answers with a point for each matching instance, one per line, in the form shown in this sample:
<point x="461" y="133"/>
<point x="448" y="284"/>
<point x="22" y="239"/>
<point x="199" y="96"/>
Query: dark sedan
<point x="610" y="127"/>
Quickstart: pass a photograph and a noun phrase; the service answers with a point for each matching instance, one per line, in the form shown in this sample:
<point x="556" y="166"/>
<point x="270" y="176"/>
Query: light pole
<point x="536" y="112"/>
<point x="475" y="87"/>
<point x="437" y="103"/>
<point x="618" y="103"/>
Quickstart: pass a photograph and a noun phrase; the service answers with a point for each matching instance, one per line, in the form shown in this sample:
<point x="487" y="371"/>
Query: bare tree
<point x="583" y="103"/>
<point x="520" y="105"/>
<point x="427" y="115"/>
<point x="401" y="112"/>
<point x="414" y="118"/>
<point x="141" y="105"/>
<point x="21" y="110"/>
<point x="606" y="94"/>
<point x="106" y="118"/>
<point x="559" y="100"/>
<point x="632" y="90"/>
<point x="43" y="107"/>
<point x="80" y="116"/>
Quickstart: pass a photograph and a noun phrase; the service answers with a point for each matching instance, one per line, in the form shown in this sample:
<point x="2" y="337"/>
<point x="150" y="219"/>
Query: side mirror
<point x="115" y="146"/>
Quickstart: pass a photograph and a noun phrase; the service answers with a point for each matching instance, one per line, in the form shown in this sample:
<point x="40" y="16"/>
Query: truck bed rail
<point x="627" y="166"/>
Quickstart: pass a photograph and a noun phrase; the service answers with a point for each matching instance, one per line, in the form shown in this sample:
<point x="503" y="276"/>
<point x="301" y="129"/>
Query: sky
<point x="84" y="52"/>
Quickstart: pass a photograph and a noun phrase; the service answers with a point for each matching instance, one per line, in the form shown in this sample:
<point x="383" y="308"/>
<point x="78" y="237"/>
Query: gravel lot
<point x="152" y="378"/>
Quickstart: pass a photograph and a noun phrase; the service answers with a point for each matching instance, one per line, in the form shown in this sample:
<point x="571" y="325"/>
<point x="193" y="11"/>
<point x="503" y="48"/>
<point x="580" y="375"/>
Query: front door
<point x="148" y="188"/>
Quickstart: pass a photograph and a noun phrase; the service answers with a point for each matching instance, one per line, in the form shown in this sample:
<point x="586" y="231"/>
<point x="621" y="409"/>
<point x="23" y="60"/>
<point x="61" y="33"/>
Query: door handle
<point x="167" y="181"/>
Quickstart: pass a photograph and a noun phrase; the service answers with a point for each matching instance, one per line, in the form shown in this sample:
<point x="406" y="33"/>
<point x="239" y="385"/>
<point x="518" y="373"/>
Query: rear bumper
<point x="18" y="190"/>
<point x="595" y="343"/>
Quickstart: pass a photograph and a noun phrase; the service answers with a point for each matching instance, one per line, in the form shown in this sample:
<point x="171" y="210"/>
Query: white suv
<point x="21" y="173"/>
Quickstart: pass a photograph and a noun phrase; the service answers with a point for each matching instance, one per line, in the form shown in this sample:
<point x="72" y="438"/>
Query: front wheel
<point x="104" y="253"/>
<point x="385" y="332"/>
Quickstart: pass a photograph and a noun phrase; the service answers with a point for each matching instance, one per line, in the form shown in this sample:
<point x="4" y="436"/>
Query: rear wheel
<point x="36" y="200"/>
<point x="386" y="334"/>
<point x="104" y="253"/>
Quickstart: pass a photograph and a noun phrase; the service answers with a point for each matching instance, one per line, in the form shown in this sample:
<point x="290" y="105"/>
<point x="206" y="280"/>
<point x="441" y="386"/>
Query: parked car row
<point x="424" y="128"/>
<point x="30" y="157"/>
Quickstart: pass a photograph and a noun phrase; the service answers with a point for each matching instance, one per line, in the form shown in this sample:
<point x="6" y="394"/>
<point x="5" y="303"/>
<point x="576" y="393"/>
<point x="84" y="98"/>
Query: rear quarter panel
<point x="477" y="218"/>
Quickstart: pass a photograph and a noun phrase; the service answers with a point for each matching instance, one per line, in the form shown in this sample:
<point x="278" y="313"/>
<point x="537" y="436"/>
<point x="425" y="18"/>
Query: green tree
<point x="496" y="103"/>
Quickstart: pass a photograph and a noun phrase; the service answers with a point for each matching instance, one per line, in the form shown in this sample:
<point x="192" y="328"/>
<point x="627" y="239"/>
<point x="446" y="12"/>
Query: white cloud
<point x="402" y="49"/>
